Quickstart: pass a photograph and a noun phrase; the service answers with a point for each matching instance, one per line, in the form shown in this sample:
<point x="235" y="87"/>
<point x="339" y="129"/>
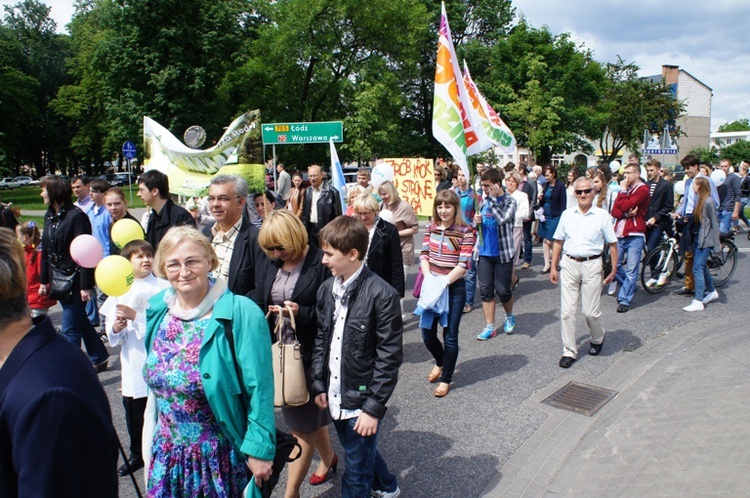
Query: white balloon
<point x="382" y="172"/>
<point x="718" y="177"/>
<point x="386" y="215"/>
<point x="614" y="166"/>
<point x="679" y="187"/>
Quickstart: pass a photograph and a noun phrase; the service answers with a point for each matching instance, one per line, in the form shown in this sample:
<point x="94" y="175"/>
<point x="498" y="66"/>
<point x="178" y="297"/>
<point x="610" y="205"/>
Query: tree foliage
<point x="707" y="155"/>
<point x="34" y="135"/>
<point x="630" y="105"/>
<point x="739" y="125"/>
<point x="546" y="87"/>
<point x="737" y="152"/>
<point x="75" y="99"/>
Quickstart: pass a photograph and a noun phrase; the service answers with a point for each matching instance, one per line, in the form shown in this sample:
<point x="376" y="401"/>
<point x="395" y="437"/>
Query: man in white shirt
<point x="283" y="182"/>
<point x="580" y="237"/>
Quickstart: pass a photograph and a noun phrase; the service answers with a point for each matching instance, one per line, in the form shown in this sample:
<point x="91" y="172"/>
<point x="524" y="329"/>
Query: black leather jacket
<point x="372" y="344"/>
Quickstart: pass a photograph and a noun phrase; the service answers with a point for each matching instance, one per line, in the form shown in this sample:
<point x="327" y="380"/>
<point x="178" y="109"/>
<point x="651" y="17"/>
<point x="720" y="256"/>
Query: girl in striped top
<point x="446" y="250"/>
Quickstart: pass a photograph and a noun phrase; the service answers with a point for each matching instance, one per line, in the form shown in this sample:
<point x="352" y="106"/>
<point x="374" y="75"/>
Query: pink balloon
<point x="86" y="251"/>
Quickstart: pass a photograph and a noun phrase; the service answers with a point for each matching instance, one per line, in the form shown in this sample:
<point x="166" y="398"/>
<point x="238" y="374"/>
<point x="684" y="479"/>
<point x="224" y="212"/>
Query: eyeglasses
<point x="222" y="199"/>
<point x="584" y="191"/>
<point x="275" y="248"/>
<point x="190" y="264"/>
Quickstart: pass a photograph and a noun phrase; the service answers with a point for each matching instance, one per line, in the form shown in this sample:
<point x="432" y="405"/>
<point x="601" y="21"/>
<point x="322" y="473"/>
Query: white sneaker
<point x="663" y="279"/>
<point x="713" y="296"/>
<point x="385" y="494"/>
<point x="651" y="282"/>
<point x="694" y="306"/>
<point x="612" y="288"/>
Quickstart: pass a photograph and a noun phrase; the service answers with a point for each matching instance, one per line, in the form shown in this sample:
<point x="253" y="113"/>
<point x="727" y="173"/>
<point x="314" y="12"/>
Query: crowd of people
<point x="213" y="280"/>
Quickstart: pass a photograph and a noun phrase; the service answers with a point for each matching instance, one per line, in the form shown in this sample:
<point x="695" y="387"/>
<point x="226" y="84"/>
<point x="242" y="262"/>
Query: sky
<point x="706" y="39"/>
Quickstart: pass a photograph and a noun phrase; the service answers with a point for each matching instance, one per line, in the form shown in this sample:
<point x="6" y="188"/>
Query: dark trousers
<point x="446" y="353"/>
<point x="527" y="242"/>
<point x="365" y="468"/>
<point x="134" y="410"/>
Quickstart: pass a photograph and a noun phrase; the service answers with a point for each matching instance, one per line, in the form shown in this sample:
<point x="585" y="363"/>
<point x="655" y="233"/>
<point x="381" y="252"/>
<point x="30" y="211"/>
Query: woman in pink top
<point x="446" y="250"/>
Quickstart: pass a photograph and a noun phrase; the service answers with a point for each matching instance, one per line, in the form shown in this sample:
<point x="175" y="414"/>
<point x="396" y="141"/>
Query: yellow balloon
<point x="125" y="230"/>
<point x="114" y="275"/>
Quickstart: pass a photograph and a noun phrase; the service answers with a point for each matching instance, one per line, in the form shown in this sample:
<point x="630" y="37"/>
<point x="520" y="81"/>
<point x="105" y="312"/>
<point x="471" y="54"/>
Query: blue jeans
<point x="527" y="245"/>
<point x="703" y="282"/>
<point x="627" y="275"/>
<point x="75" y="326"/>
<point x="725" y="221"/>
<point x="471" y="283"/>
<point x="92" y="311"/>
<point x="446" y="353"/>
<point x="365" y="468"/>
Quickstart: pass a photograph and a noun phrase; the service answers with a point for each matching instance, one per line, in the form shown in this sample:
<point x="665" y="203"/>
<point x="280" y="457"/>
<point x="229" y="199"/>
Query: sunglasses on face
<point x="583" y="191"/>
<point x="275" y="248"/>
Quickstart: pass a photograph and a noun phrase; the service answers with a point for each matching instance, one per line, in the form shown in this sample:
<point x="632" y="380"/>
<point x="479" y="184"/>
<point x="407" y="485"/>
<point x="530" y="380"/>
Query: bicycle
<point x="721" y="266"/>
<point x="660" y="265"/>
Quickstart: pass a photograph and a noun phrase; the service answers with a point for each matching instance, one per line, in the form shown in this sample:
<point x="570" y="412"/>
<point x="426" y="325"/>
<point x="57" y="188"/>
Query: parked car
<point x="115" y="179"/>
<point x="126" y="181"/>
<point x="23" y="180"/>
<point x="8" y="183"/>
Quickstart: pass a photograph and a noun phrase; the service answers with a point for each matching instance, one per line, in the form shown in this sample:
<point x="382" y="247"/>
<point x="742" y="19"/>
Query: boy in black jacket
<point x="358" y="352"/>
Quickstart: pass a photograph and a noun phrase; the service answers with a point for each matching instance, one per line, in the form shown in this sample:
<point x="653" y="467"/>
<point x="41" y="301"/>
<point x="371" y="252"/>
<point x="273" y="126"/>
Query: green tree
<point x="160" y="59"/>
<point x="321" y="60"/>
<point x="739" y="125"/>
<point x="737" y="152"/>
<point x="42" y="60"/>
<point x="705" y="154"/>
<point x="630" y="105"/>
<point x="546" y="86"/>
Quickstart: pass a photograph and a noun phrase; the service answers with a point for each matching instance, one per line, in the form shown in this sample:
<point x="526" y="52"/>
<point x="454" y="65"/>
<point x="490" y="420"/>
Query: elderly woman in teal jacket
<point x="209" y="424"/>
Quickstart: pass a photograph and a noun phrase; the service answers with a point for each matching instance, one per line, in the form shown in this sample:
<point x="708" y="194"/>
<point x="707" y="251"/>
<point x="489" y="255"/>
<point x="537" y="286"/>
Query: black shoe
<point x="133" y="464"/>
<point x="102" y="366"/>
<point x="623" y="308"/>
<point x="596" y="348"/>
<point x="567" y="361"/>
<point x="684" y="291"/>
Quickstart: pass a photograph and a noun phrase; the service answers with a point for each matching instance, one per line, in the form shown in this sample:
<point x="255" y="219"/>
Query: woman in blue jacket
<point x="205" y="432"/>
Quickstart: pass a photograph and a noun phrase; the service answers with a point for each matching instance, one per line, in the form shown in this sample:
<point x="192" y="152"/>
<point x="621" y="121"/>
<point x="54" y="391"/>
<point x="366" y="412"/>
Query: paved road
<point x="457" y="446"/>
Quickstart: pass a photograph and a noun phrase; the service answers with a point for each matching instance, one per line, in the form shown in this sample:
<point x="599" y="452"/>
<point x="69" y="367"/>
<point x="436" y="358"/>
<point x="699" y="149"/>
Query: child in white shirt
<point x="126" y="322"/>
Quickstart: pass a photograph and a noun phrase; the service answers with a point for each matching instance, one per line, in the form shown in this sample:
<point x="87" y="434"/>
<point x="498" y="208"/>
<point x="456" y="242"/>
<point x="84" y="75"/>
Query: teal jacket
<point x="254" y="433"/>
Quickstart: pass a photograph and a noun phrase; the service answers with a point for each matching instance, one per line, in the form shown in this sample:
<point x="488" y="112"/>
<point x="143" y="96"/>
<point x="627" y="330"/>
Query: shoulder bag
<point x="290" y="383"/>
<point x="61" y="283"/>
<point x="285" y="443"/>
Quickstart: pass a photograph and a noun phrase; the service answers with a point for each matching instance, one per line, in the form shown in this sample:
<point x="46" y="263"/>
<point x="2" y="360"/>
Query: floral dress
<point x="190" y="455"/>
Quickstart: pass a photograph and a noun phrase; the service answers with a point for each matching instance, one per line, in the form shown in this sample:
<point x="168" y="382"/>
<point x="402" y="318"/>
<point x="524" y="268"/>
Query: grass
<point x="29" y="199"/>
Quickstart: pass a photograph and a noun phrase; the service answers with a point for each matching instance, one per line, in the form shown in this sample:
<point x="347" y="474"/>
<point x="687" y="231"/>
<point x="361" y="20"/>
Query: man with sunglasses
<point x="580" y="236"/>
<point x="233" y="237"/>
<point x="629" y="211"/>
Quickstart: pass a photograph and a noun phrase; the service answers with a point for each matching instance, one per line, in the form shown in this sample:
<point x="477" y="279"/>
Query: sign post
<point x="129" y="152"/>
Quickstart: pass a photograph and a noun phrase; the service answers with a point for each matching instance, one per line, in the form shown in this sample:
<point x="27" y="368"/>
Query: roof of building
<point x="656" y="78"/>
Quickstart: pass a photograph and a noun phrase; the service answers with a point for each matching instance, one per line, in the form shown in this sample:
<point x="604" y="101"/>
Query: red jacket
<point x="33" y="270"/>
<point x="638" y="197"/>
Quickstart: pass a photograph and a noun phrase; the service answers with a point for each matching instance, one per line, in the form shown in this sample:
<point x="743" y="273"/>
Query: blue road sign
<point x="128" y="150"/>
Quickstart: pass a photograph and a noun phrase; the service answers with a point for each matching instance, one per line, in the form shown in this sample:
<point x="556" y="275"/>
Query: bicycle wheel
<point x="660" y="265"/>
<point x="721" y="266"/>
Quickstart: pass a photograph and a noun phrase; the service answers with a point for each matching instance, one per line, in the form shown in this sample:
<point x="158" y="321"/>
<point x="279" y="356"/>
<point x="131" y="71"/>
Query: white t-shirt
<point x="133" y="352"/>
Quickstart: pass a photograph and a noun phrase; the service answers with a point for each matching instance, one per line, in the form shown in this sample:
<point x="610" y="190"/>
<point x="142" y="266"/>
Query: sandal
<point x="434" y="373"/>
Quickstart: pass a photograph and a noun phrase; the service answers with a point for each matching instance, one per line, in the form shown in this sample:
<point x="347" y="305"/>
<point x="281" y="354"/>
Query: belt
<point x="581" y="260"/>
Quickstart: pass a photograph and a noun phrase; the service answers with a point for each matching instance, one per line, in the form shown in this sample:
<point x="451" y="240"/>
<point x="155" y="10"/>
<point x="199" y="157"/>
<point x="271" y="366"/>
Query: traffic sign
<point x="302" y="133"/>
<point x="128" y="150"/>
